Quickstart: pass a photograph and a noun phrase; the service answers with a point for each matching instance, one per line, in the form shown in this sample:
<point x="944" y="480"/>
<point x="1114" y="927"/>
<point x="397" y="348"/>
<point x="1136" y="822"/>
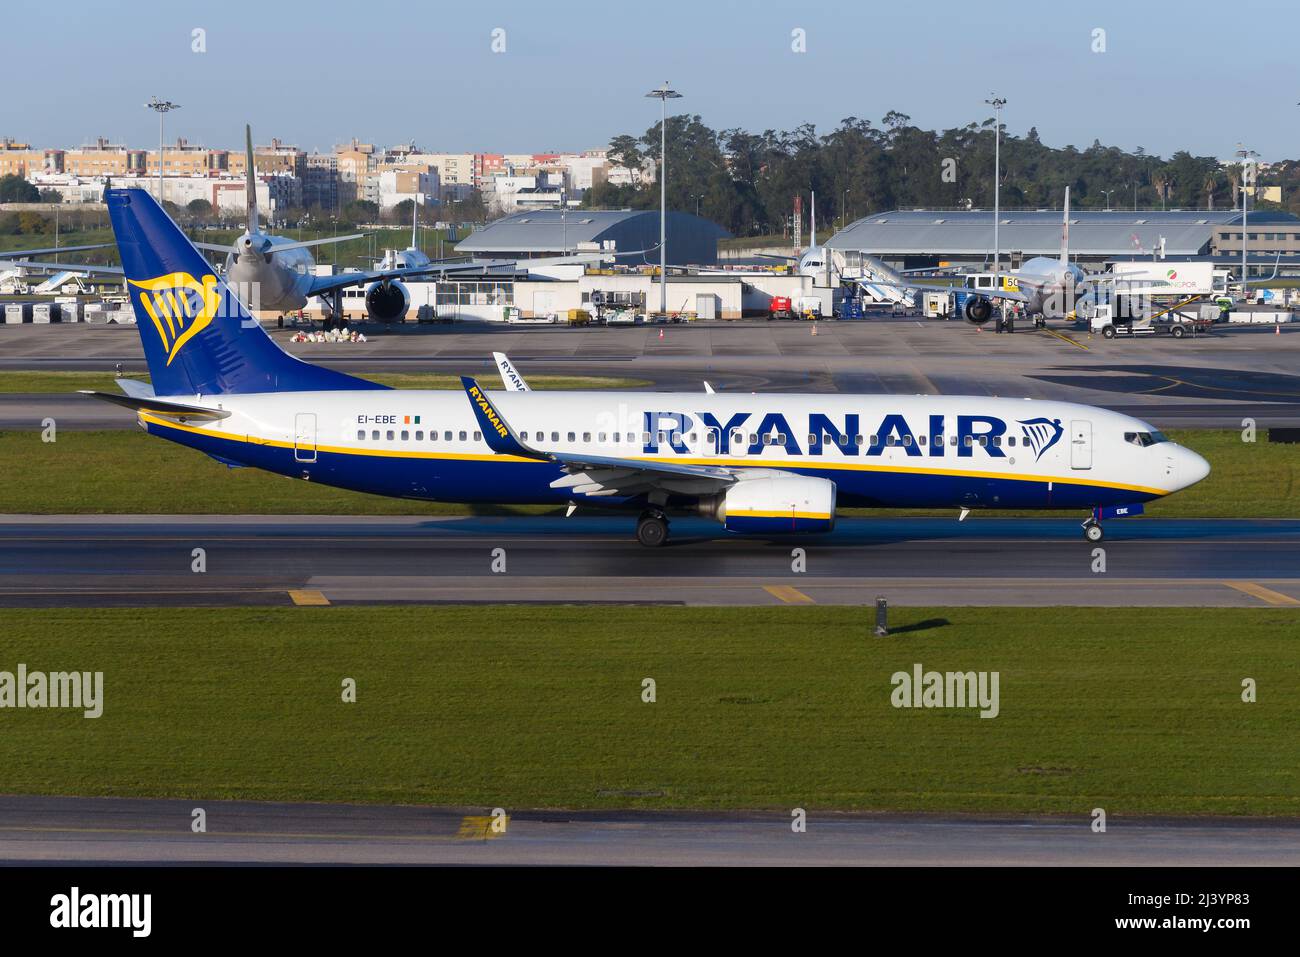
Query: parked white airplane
<point x="757" y="463"/>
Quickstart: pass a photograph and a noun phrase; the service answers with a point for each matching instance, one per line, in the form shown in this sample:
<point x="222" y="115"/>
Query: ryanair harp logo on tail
<point x="180" y="307"/>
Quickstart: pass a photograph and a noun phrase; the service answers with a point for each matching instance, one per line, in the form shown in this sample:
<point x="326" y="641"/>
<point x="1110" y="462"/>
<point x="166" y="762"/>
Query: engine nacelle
<point x="977" y="310"/>
<point x="774" y="505"/>
<point x="387" y="301"/>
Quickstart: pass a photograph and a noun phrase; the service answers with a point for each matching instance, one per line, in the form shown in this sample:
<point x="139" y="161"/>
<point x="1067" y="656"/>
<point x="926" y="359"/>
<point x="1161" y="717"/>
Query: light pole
<point x="162" y="108"/>
<point x="997" y="103"/>
<point x="663" y="94"/>
<point x="845" y="211"/>
<point x="1247" y="179"/>
<point x="1107" y="193"/>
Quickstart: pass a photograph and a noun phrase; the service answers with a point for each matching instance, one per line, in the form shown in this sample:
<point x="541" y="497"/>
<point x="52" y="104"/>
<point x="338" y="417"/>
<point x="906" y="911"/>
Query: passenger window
<point x="692" y="438"/>
<point x="753" y="438"/>
<point x="953" y="440"/>
<point x="375" y="435"/>
<point x="1011" y="440"/>
<point x="907" y="440"/>
<point x="390" y="435"/>
<point x="446" y="436"/>
<point x="737" y="438"/>
<point x="571" y="436"/>
<point x="406" y="436"/>
<point x="812" y="440"/>
<point x="462" y="436"/>
<point x="984" y="440"/>
<point x="857" y="440"/>
<point x="361" y="433"/>
<point x="645" y="438"/>
<point x="920" y="440"/>
<point x="631" y="438"/>
<point x="844" y="440"/>
<point x="419" y="435"/>
<point x="780" y="438"/>
<point x="997" y="440"/>
<point x="586" y="436"/>
<point x="555" y="436"/>
<point x="478" y="436"/>
<point x="600" y="437"/>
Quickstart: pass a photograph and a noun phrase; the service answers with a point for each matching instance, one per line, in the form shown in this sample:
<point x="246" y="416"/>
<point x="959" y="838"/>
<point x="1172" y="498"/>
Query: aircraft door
<point x="1080" y="444"/>
<point x="304" y="437"/>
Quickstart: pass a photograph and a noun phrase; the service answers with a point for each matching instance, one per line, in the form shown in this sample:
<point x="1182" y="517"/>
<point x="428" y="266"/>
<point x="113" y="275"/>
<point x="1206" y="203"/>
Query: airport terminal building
<point x="917" y="238"/>
<point x="631" y="234"/>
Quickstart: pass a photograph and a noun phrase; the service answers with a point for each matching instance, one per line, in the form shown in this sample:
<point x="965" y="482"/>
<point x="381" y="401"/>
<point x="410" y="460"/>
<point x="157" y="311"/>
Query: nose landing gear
<point x="1092" y="530"/>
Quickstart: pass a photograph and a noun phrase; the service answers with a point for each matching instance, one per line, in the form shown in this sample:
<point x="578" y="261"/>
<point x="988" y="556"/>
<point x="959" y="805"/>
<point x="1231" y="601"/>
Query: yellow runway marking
<point x="307" y="596"/>
<point x="789" y="595"/>
<point x="479" y="828"/>
<point x="1073" y="342"/>
<point x="1264" y="594"/>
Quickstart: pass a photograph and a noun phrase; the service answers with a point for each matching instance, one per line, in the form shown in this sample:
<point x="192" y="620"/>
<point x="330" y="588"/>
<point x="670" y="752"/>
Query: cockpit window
<point x="1143" y="439"/>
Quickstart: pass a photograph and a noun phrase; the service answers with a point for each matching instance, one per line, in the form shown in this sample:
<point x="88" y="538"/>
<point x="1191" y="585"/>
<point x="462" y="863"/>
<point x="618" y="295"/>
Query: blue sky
<point x="574" y="71"/>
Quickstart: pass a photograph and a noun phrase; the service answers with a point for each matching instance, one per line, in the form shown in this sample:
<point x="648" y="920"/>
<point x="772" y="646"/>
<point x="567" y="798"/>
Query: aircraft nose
<point x="1192" y="468"/>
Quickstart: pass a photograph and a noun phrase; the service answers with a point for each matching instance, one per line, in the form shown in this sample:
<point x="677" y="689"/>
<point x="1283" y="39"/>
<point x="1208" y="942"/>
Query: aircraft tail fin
<point x="197" y="336"/>
<point x="1065" y="231"/>
<point x="250" y="179"/>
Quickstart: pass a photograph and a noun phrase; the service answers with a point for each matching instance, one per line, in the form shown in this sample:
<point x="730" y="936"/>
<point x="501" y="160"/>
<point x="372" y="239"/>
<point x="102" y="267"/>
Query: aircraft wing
<point x="7" y="254"/>
<point x="596" y="475"/>
<point x="324" y="284"/>
<point x="63" y="267"/>
<point x="926" y="287"/>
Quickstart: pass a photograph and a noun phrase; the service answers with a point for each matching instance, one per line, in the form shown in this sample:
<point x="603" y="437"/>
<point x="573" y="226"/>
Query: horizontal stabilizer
<point x="173" y="410"/>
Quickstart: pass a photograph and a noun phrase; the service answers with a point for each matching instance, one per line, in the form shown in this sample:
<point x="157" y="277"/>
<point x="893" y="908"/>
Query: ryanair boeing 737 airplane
<point x="758" y="464"/>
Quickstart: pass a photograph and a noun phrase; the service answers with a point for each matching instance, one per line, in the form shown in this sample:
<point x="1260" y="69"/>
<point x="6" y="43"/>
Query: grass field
<point x="39" y="382"/>
<point x="542" y="707"/>
<point x="116" y="472"/>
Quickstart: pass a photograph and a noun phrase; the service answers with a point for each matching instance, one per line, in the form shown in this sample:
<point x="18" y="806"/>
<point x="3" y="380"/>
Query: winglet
<point x="510" y="376"/>
<point x="496" y="432"/>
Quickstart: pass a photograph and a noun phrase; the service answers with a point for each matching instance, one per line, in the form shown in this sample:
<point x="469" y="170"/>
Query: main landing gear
<point x="652" y="528"/>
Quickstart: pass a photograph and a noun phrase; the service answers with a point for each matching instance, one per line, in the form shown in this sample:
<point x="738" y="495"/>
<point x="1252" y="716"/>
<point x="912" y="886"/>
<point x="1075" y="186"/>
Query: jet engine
<point x="774" y="504"/>
<point x="387" y="301"/>
<point x="977" y="310"/>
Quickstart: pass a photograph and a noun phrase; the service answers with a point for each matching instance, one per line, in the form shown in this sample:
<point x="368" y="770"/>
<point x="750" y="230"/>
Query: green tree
<point x="199" y="209"/>
<point x="15" y="189"/>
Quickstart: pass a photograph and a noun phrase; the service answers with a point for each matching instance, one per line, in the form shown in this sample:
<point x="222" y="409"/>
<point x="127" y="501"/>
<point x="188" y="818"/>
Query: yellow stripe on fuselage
<point x="810" y="463"/>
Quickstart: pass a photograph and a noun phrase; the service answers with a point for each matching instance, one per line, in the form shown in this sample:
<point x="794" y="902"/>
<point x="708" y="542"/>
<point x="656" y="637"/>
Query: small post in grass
<point x="882" y="616"/>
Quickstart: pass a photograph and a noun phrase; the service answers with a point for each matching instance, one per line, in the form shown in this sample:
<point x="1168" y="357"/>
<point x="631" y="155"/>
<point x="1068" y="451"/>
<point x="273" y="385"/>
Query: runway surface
<point x="147" y="831"/>
<point x="90" y="560"/>
<point x="1212" y="381"/>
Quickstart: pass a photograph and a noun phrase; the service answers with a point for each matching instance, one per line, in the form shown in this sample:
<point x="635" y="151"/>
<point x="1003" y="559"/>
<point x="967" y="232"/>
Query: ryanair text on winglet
<point x="54" y="689"/>
<point x="951" y="689"/>
<point x="486" y="406"/>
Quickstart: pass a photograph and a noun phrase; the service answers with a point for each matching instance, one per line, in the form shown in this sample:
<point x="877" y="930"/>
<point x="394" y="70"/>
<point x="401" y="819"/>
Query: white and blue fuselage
<point x="880" y="451"/>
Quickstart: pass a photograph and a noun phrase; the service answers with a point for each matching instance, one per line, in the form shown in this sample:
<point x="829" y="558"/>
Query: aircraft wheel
<point x="1092" y="532"/>
<point x="652" y="530"/>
